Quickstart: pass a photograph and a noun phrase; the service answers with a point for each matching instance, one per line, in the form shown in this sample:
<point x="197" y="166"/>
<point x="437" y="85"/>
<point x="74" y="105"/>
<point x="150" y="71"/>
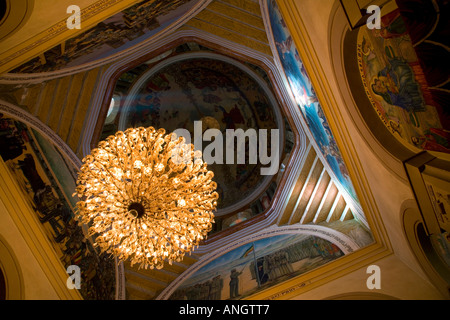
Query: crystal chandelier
<point x="143" y="201"/>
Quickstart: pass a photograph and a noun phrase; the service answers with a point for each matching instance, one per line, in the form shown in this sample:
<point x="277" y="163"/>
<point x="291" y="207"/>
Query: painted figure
<point x="234" y="283"/>
<point x="396" y="85"/>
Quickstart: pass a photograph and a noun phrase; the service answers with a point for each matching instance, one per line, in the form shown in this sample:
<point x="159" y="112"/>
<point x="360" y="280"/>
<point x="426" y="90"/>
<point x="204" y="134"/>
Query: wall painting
<point x="48" y="181"/>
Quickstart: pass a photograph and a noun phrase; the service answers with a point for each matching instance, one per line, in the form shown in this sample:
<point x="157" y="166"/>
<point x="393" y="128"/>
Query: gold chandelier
<point x="146" y="196"/>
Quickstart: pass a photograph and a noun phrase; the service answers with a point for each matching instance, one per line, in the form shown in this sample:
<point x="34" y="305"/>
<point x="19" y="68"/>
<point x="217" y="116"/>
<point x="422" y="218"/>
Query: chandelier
<point x="144" y="202"/>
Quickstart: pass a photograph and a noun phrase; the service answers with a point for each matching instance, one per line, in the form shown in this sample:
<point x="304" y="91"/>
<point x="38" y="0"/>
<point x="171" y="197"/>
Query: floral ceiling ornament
<point x="140" y="202"/>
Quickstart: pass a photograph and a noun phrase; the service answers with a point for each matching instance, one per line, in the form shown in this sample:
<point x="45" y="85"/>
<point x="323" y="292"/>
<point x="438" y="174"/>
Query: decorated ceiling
<point x="177" y="89"/>
<point x="306" y="99"/>
<point x="131" y="26"/>
<point x="47" y="178"/>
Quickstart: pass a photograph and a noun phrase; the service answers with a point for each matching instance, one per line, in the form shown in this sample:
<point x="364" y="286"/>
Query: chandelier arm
<point x="114" y="181"/>
<point x="117" y="154"/>
<point x="152" y="174"/>
<point x="157" y="233"/>
<point x="131" y="147"/>
<point x="142" y="177"/>
<point x="162" y="192"/>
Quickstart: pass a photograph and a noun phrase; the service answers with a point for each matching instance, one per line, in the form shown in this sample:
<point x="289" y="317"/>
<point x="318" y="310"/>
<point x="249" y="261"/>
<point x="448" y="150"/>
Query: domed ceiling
<point x="191" y="90"/>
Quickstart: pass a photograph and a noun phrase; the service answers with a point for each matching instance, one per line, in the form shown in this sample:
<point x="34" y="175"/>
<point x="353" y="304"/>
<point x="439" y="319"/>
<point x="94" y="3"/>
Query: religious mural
<point x="256" y="266"/>
<point x="48" y="180"/>
<point x="219" y="94"/>
<point x="397" y="87"/>
<point x="116" y="33"/>
<point x="305" y="97"/>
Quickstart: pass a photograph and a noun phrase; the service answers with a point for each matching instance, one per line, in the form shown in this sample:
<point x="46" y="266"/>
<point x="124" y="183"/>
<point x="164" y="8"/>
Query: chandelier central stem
<point x="136" y="209"/>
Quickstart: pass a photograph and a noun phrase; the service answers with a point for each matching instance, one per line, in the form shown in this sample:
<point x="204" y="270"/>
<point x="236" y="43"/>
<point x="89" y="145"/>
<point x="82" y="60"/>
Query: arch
<point x="22" y="115"/>
<point x="14" y="15"/>
<point x="12" y="273"/>
<point x="394" y="129"/>
<point x="419" y="241"/>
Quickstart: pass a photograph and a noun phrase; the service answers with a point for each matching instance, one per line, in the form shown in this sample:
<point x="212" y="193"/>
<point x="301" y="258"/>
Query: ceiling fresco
<point x="305" y="97"/>
<point x="256" y="266"/>
<point x="113" y="35"/>
<point x="221" y="96"/>
<point x="173" y="91"/>
<point x="397" y="87"/>
<point x="265" y="259"/>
